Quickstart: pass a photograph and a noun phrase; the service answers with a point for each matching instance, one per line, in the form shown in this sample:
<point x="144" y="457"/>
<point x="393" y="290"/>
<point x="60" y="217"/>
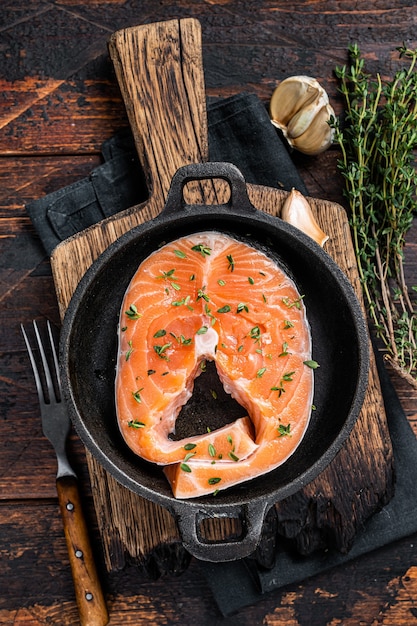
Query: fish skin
<point x="228" y="302"/>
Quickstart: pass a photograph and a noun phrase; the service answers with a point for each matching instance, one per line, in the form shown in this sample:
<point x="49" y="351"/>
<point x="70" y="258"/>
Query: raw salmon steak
<point x="209" y="297"/>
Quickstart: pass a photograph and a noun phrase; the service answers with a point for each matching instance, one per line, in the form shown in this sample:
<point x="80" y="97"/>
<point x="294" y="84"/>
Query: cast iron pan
<point x="340" y="346"/>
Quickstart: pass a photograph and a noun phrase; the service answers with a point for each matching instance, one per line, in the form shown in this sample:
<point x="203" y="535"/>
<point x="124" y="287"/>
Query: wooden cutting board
<point x="160" y="72"/>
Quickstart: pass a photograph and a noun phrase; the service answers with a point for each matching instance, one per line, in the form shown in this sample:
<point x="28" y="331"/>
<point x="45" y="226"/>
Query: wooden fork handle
<point x="89" y="595"/>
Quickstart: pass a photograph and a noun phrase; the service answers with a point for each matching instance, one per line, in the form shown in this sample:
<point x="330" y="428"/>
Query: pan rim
<point x="215" y="212"/>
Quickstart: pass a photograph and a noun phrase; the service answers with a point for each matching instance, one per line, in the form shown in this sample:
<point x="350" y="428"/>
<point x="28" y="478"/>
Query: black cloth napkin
<point x="239" y="132"/>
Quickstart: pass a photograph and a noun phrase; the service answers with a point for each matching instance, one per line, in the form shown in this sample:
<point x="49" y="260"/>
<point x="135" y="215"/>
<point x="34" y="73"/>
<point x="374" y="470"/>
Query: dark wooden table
<point x="59" y="102"/>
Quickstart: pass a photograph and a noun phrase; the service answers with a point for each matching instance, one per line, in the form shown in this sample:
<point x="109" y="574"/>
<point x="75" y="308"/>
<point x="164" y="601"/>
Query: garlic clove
<point x="301" y="121"/>
<point x="300" y="108"/>
<point x="290" y="96"/>
<point x="297" y="211"/>
<point x="319" y="135"/>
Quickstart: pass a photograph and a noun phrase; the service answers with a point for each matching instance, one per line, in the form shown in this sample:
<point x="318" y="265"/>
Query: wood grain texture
<point x="88" y="592"/>
<point x="366" y="591"/>
<point x="159" y="68"/>
<point x="59" y="101"/>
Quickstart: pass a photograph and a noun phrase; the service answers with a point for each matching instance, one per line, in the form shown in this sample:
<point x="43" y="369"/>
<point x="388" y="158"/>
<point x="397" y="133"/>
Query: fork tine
<point x="47" y="371"/>
<point x="55" y="357"/>
<point x="38" y="383"/>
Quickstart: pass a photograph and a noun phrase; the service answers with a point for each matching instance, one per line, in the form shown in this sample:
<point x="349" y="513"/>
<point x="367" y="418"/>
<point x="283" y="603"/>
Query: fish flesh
<point x="210" y="297"/>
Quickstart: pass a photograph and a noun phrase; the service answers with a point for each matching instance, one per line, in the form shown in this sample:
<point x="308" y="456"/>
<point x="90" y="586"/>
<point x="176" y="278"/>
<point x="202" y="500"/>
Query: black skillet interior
<point x="340" y="346"/>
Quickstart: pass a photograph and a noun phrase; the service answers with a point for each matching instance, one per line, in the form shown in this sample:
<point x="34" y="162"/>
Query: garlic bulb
<point x="297" y="211"/>
<point x="300" y="107"/>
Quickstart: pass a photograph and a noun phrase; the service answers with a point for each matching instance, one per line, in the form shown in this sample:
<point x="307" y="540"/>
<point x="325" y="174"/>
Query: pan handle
<point x="228" y="172"/>
<point x="189" y="518"/>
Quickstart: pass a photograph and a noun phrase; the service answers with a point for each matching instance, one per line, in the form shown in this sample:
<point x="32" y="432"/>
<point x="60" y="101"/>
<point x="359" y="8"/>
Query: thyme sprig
<point x="377" y="142"/>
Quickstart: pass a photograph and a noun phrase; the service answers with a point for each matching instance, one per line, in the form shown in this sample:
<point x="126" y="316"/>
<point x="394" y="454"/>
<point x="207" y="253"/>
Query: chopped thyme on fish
<point x="133" y="313"/>
<point x="180" y="254"/>
<point x="137" y="396"/>
<point x="202" y="249"/>
<point x="129" y="352"/>
<point x="312" y="364"/>
<point x="160" y="350"/>
<point x="293" y="303"/>
<point x="284" y="430"/>
<point x="136" y="424"/>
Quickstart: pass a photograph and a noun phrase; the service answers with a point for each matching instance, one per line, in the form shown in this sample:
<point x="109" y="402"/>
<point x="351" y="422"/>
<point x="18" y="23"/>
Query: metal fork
<point x="56" y="426"/>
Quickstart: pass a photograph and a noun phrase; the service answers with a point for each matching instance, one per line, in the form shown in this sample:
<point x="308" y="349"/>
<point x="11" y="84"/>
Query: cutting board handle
<point x="159" y="68"/>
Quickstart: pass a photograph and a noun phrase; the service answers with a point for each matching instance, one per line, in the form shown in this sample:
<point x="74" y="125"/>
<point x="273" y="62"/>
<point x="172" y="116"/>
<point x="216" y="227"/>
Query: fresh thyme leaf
<point x="255" y="333"/>
<point x="287" y="377"/>
<point x="292" y="303"/>
<point x="214" y="480"/>
<point x="278" y="388"/>
<point x="202" y="330"/>
<point x="202" y="249"/>
<point x="201" y="294"/>
<point x="184" y="301"/>
<point x="224" y="309"/>
<point x="260" y="372"/>
<point x="132" y="312"/>
<point x="190" y="446"/>
<point x="185" y="467"/>
<point x="313" y="364"/>
<point x="160" y="350"/>
<point x="284" y="349"/>
<point x="231" y="265"/>
<point x="129" y="352"/>
<point x="160" y="333"/>
<point x="166" y="275"/>
<point x="242" y="307"/>
<point x="221" y="282"/>
<point x="251" y="280"/>
<point x="283" y="430"/>
<point x="136" y="395"/>
<point x="180" y="254"/>
<point x="136" y="424"/>
<point x="211" y="450"/>
<point x="181" y="339"/>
